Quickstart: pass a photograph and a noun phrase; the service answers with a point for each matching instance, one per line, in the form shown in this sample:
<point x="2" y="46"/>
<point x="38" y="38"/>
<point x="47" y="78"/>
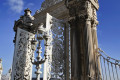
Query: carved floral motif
<point x="22" y="67"/>
<point x="58" y="53"/>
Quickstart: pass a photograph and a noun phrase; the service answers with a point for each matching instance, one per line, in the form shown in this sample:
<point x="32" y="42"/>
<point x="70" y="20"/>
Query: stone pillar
<point x="94" y="36"/>
<point x="95" y="45"/>
<point x="1" y="69"/>
<point x="94" y="29"/>
<point x="89" y="51"/>
<point x="22" y="66"/>
<point x="82" y="56"/>
<point x="74" y="51"/>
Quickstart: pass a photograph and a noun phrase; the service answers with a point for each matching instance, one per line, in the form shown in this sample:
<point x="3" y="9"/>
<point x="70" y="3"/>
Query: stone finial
<point x="38" y="11"/>
<point x="27" y="12"/>
<point x="25" y="22"/>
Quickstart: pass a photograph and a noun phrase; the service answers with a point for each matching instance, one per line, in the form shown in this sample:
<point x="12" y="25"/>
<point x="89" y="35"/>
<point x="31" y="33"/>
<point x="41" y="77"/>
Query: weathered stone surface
<point x="22" y="66"/>
<point x="25" y="22"/>
<point x="24" y="34"/>
<point x="82" y="16"/>
<point x="49" y="3"/>
<point x="58" y="10"/>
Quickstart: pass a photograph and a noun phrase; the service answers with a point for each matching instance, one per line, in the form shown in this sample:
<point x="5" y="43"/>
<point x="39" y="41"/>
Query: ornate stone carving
<point x="22" y="66"/>
<point x="88" y="8"/>
<point x="76" y="7"/>
<point x="82" y="18"/>
<point x="25" y="22"/>
<point x="48" y="3"/>
<point x="81" y="8"/>
<point x="95" y="4"/>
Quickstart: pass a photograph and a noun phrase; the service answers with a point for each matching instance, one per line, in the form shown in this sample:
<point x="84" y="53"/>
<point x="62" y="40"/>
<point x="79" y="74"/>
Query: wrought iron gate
<point x="58" y="64"/>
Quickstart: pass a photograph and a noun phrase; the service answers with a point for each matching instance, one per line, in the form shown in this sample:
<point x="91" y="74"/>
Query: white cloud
<point x="29" y="5"/>
<point x="16" y="5"/>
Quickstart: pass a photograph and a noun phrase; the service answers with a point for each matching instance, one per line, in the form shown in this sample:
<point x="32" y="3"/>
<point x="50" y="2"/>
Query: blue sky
<point x="108" y="28"/>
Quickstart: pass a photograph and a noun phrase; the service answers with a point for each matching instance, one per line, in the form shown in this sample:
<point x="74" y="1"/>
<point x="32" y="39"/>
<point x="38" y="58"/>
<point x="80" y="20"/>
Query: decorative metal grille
<point x="58" y="57"/>
<point x="58" y="53"/>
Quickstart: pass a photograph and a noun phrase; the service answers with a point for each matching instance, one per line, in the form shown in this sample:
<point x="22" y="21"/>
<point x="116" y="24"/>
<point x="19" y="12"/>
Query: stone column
<point x="1" y="69"/>
<point x="95" y="51"/>
<point x="94" y="36"/>
<point x="67" y="51"/>
<point x="89" y="51"/>
<point x="83" y="62"/>
<point x="94" y="29"/>
<point x="95" y="45"/>
<point x="81" y="49"/>
<point x="22" y="66"/>
<point x="74" y="50"/>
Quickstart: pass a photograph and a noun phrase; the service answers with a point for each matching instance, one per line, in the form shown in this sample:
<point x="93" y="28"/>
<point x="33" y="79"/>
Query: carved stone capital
<point x="25" y="22"/>
<point x="95" y="22"/>
<point x="72" y="21"/>
<point x="88" y="18"/>
<point x="76" y="8"/>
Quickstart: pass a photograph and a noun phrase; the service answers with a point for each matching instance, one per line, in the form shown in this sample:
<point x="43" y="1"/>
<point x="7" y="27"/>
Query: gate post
<point x="81" y="20"/>
<point x="22" y="66"/>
